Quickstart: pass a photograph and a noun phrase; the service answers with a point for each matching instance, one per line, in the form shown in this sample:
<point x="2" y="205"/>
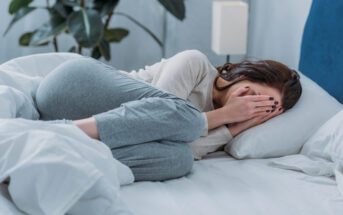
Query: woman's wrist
<point x="234" y="131"/>
<point x="216" y="118"/>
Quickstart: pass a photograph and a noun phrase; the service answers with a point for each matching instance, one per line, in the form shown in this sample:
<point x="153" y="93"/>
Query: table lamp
<point x="229" y="28"/>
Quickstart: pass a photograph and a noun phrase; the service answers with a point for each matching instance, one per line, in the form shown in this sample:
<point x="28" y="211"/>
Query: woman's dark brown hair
<point x="268" y="72"/>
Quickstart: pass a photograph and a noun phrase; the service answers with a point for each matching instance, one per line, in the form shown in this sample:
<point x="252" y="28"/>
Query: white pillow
<point x="327" y="142"/>
<point x="286" y="134"/>
<point x="322" y="154"/>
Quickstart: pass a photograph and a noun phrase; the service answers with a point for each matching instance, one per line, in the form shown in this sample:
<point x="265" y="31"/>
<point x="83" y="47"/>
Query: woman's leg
<point x="149" y="119"/>
<point x="145" y="127"/>
<point x="156" y="161"/>
<point x="126" y="111"/>
<point x="84" y="87"/>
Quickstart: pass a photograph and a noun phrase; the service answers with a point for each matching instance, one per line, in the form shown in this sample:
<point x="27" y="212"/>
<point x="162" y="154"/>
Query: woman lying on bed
<point x="152" y="119"/>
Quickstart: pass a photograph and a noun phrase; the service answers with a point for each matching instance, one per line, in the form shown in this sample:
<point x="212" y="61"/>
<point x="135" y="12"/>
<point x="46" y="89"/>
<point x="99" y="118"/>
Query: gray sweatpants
<point x="146" y="128"/>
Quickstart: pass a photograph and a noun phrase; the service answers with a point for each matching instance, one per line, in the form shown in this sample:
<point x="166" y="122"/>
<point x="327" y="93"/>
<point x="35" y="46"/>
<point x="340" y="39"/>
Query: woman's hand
<point x="240" y="108"/>
<point x="242" y="126"/>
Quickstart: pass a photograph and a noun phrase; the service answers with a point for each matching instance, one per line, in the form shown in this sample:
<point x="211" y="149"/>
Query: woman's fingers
<point x="273" y="114"/>
<point x="239" y="92"/>
<point x="259" y="118"/>
<point x="259" y="98"/>
<point x="265" y="109"/>
<point x="266" y="103"/>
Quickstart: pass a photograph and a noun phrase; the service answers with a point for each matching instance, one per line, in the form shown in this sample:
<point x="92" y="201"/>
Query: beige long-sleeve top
<point x="189" y="75"/>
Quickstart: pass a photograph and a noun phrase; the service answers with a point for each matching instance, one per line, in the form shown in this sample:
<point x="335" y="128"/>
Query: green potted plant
<point x="85" y="20"/>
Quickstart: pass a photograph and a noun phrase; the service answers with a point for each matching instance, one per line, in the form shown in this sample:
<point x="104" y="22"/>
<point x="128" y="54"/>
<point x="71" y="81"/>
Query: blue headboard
<point x="322" y="46"/>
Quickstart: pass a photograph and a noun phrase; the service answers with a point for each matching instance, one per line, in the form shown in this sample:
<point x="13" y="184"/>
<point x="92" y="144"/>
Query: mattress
<point x="222" y="185"/>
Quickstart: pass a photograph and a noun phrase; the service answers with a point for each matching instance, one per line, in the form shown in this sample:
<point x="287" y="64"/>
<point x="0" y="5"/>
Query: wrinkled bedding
<point x="51" y="168"/>
<point x="54" y="169"/>
<point x="222" y="185"/>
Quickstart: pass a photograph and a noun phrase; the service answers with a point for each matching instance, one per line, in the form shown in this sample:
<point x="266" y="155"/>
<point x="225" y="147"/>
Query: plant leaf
<point x="104" y="48"/>
<point x="62" y="9"/>
<point x="96" y="53"/>
<point x="87" y="2"/>
<point x="70" y="3"/>
<point x="15" y="5"/>
<point x="116" y="34"/>
<point x="104" y="6"/>
<point x="175" y="7"/>
<point x="52" y="28"/>
<point x="25" y="39"/>
<point x="20" y="14"/>
<point x="86" y="27"/>
<point x="72" y="49"/>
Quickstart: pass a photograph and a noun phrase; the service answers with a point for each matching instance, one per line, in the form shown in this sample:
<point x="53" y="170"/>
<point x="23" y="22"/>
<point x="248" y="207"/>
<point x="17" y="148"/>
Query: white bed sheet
<point x="222" y="185"/>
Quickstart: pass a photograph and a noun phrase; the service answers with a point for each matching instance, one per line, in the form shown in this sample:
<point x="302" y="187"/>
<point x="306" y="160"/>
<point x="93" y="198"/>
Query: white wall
<point x="275" y="32"/>
<point x="195" y="31"/>
<point x="276" y="28"/>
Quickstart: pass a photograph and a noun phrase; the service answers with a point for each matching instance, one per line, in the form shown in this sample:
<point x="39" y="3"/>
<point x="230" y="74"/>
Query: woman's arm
<point x="242" y="126"/>
<point x="216" y="118"/>
<point x="215" y="139"/>
<point x="239" y="108"/>
<point x="181" y="73"/>
<point x="88" y="126"/>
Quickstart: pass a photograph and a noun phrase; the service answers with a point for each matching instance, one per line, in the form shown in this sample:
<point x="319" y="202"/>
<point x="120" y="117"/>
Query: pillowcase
<point x="322" y="154"/>
<point x="286" y="133"/>
<point x="327" y="142"/>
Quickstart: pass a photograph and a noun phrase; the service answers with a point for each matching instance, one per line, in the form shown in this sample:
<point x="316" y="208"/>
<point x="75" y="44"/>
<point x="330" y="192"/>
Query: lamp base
<point x="227" y="58"/>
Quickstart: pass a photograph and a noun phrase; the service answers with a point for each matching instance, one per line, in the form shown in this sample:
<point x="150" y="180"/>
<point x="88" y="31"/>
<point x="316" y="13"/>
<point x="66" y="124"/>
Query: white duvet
<point x="54" y="169"/>
<point x="51" y="169"/>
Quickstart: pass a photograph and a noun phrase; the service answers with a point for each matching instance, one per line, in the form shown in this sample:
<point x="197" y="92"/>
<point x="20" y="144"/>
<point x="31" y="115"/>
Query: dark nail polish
<point x="280" y="109"/>
<point x="267" y="111"/>
<point x="272" y="111"/>
<point x="276" y="102"/>
<point x="271" y="98"/>
<point x="273" y="106"/>
<point x="247" y="87"/>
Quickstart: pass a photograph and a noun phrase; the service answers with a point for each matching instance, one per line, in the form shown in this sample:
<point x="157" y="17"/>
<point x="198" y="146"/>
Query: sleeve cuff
<point x="227" y="132"/>
<point x="205" y="131"/>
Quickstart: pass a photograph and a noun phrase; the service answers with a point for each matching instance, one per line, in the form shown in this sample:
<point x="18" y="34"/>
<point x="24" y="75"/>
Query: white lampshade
<point x="229" y="27"/>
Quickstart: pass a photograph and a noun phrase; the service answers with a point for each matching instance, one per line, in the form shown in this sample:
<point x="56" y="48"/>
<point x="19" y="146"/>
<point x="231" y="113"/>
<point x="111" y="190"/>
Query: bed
<point x="222" y="185"/>
<point x="219" y="184"/>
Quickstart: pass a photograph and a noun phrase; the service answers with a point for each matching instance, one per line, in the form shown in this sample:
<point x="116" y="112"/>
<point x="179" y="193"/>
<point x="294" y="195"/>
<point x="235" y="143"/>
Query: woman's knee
<point x="194" y="122"/>
<point x="157" y="161"/>
<point x="178" y="162"/>
<point x="183" y="161"/>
